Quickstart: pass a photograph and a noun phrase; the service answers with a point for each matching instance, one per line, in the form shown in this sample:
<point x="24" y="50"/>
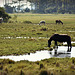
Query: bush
<point x="73" y="61"/>
<point x="1" y="67"/>
<point x="43" y="72"/>
<point x="27" y="22"/>
<point x="72" y="67"/>
<point x="4" y="15"/>
<point x="8" y="61"/>
<point x="57" y="64"/>
<point x="27" y="10"/>
<point x="44" y="29"/>
<point x="41" y="66"/>
<point x="22" y="73"/>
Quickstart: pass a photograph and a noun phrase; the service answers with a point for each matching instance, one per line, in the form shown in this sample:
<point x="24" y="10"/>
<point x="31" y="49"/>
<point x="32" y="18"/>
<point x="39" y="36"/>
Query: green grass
<point x="52" y="66"/>
<point x="18" y="46"/>
<point x="49" y="18"/>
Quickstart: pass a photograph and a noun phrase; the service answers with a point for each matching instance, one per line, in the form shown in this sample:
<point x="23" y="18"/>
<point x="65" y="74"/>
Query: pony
<point x="60" y="38"/>
<point x="42" y="22"/>
<point x="59" y="21"/>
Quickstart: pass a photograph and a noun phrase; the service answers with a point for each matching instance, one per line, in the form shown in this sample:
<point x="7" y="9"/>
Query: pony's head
<point x="62" y="22"/>
<point x="49" y="43"/>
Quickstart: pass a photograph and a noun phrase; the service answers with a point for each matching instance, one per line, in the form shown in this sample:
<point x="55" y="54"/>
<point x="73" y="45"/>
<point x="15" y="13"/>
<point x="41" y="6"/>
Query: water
<point x="20" y="37"/>
<point x="44" y="54"/>
<point x="64" y="43"/>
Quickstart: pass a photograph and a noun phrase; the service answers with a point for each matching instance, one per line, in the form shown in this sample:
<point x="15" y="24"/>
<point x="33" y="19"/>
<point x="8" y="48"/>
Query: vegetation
<point x="23" y="35"/>
<point x="54" y="6"/>
<point x="4" y="15"/>
<point x="52" y="66"/>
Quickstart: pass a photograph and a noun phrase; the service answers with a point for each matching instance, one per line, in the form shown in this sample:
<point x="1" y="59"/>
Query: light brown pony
<point x="42" y="22"/>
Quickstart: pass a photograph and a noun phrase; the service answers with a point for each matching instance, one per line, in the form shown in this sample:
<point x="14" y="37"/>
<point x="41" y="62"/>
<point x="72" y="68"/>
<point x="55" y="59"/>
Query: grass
<point x="49" y="18"/>
<point x="52" y="66"/>
<point x="17" y="46"/>
<point x="11" y="45"/>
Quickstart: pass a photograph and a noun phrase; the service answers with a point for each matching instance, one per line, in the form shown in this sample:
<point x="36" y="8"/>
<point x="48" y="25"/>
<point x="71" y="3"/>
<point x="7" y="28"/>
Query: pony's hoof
<point x="68" y="50"/>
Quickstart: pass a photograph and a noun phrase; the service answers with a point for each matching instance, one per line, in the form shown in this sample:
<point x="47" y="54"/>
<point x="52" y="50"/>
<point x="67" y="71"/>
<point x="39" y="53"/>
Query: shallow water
<point x="64" y="43"/>
<point x="20" y="37"/>
<point x="44" y="54"/>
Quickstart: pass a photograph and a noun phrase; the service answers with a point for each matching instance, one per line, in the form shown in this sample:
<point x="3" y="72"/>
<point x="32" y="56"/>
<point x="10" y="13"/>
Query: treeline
<point x="54" y="6"/>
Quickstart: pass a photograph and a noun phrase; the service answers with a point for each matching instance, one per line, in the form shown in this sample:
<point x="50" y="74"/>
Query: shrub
<point x="27" y="22"/>
<point x="73" y="61"/>
<point x="27" y="10"/>
<point x="11" y="21"/>
<point x="8" y="61"/>
<point x="57" y="64"/>
<point x="1" y="67"/>
<point x="41" y="66"/>
<point x="22" y="73"/>
<point x="39" y="33"/>
<point x="72" y="67"/>
<point x="37" y="62"/>
<point x="44" y="29"/>
<point x="4" y="15"/>
<point x="43" y="72"/>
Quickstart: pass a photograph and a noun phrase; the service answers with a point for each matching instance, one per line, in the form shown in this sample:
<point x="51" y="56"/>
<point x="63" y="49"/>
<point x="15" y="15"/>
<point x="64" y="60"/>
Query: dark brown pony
<point x="60" y="38"/>
<point x="59" y="21"/>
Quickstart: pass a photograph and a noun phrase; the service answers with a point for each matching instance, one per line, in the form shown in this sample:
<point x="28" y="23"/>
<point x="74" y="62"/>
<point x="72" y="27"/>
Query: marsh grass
<point x="38" y="36"/>
<point x="48" y="67"/>
<point x="20" y="46"/>
<point x="17" y="46"/>
<point x="49" y="18"/>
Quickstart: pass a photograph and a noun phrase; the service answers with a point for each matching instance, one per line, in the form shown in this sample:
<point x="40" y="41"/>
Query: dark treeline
<point x="54" y="6"/>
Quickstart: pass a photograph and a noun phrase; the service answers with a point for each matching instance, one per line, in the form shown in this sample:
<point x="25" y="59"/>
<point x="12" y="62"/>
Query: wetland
<point x="20" y="38"/>
<point x="43" y="54"/>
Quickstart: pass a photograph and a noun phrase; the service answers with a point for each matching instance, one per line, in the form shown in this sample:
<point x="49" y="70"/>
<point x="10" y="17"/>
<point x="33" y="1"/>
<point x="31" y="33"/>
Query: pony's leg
<point x="68" y="47"/>
<point x="56" y="44"/>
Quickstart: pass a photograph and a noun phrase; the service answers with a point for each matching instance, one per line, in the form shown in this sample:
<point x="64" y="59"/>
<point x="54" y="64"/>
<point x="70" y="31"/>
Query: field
<point x="19" y="36"/>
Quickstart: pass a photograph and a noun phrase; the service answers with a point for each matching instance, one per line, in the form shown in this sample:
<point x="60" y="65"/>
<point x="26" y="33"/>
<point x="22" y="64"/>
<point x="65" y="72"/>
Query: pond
<point x="43" y="54"/>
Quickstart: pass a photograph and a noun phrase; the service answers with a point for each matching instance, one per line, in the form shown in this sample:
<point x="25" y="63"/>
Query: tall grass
<point x="20" y="28"/>
<point x="48" y="67"/>
<point x="49" y="18"/>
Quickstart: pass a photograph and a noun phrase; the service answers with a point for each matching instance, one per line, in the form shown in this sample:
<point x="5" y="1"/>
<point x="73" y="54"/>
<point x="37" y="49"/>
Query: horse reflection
<point x="60" y="52"/>
<point x="60" y="38"/>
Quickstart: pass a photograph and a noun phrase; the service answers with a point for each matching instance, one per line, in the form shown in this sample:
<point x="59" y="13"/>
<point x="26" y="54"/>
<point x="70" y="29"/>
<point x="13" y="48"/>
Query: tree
<point x="27" y="10"/>
<point x="54" y="6"/>
<point x="19" y="3"/>
<point x="4" y="15"/>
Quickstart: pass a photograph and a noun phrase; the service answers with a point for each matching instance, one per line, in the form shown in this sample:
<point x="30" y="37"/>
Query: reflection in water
<point x="44" y="54"/>
<point x="61" y="52"/>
